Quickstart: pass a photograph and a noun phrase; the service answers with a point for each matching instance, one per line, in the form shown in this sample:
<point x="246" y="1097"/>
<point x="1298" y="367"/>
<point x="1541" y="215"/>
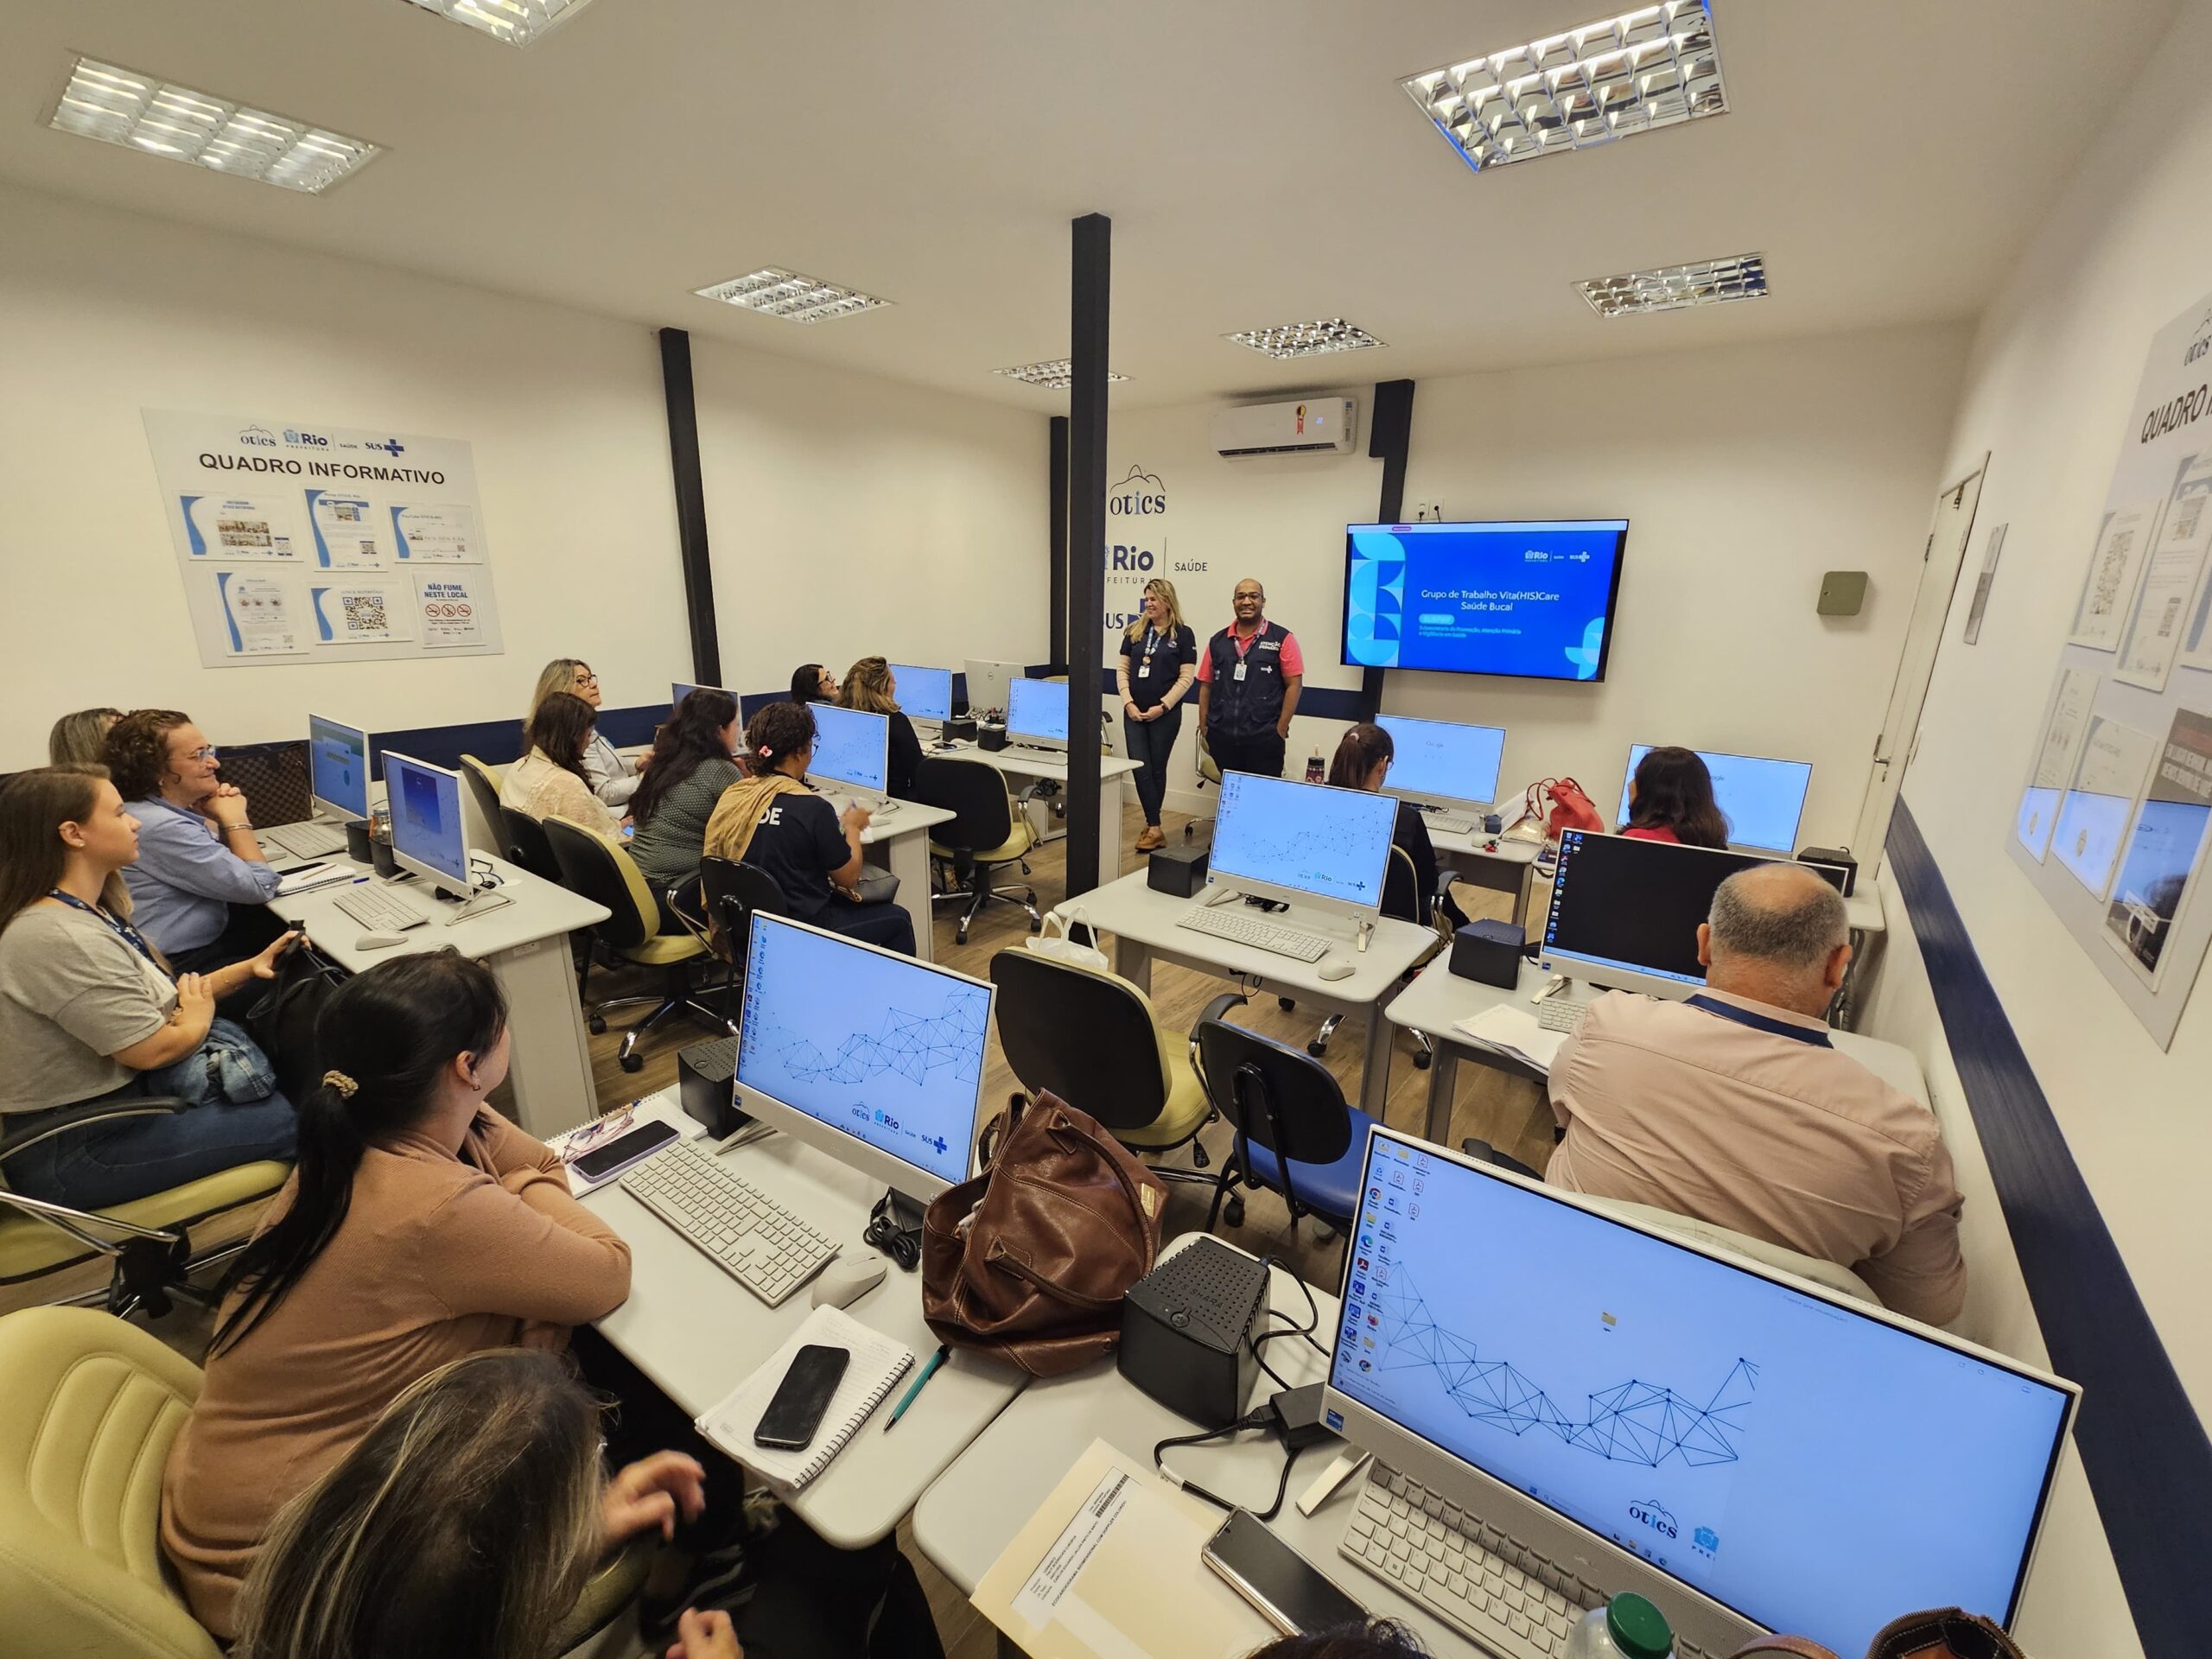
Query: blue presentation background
<point x="1394" y="572"/>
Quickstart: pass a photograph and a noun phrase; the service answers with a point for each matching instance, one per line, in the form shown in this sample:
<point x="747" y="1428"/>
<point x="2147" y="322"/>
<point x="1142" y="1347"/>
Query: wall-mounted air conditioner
<point x="1312" y="425"/>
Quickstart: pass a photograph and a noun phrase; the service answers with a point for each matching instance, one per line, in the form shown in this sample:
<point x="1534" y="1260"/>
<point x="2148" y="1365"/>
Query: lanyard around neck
<point x="1764" y="1022"/>
<point x="122" y="929"/>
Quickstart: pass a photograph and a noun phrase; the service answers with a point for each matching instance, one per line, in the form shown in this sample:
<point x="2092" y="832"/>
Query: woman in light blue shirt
<point x="198" y="856"/>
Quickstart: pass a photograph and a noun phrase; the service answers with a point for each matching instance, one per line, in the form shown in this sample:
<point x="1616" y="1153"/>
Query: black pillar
<point x="1089" y="287"/>
<point x="1057" y="653"/>
<point x="690" y="505"/>
<point x="1389" y="435"/>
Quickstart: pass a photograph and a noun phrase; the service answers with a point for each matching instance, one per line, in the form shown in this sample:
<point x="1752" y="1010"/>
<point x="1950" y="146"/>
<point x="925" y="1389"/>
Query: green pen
<point x="929" y="1370"/>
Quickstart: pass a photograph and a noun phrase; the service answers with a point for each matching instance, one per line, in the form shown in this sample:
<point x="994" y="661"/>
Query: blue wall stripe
<point x="2143" y="1445"/>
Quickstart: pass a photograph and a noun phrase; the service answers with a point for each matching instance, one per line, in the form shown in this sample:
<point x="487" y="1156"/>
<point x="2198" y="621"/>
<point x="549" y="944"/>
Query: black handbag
<point x="283" y="1019"/>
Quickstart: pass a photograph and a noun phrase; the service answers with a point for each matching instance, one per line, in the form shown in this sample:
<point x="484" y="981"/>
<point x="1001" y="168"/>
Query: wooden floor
<point x="1507" y="1112"/>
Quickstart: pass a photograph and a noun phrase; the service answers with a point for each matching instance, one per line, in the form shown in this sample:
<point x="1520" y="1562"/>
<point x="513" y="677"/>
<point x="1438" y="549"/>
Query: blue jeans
<point x="102" y="1165"/>
<point x="1151" y="742"/>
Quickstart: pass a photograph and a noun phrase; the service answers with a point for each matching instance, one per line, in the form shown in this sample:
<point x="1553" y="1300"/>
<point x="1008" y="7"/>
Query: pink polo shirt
<point x="1294" y="660"/>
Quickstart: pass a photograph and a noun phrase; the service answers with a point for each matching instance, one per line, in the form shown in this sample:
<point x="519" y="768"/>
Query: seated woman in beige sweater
<point x="419" y="1227"/>
<point x="549" y="781"/>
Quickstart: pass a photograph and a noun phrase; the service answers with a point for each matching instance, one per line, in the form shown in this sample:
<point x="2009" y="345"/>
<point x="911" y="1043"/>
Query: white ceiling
<point x="1257" y="157"/>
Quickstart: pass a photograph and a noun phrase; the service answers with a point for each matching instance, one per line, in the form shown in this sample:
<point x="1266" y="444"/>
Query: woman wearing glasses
<point x="612" y="778"/>
<point x="202" y="882"/>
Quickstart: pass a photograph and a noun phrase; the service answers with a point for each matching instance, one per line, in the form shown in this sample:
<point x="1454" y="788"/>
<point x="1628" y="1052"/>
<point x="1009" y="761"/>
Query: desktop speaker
<point x="990" y="737"/>
<point x="1187" y="1328"/>
<point x="1489" y="952"/>
<point x="1178" y="870"/>
<point x="959" y="727"/>
<point x="1834" y="862"/>
<point x="706" y="1083"/>
<point x="358" y="845"/>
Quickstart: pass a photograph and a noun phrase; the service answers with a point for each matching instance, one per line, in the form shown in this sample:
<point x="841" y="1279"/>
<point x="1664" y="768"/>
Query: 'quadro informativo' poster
<point x="300" y="542"/>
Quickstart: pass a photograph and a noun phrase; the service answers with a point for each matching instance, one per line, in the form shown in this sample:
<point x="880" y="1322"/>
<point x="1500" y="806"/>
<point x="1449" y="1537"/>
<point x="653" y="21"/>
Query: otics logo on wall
<point x="1136" y="545"/>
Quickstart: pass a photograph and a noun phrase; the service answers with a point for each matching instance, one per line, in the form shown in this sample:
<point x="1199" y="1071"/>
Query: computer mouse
<point x="844" y="1281"/>
<point x="1335" y="970"/>
<point x="379" y="941"/>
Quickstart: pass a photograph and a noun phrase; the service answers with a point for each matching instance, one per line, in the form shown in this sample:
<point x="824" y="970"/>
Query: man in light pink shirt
<point x="1735" y="1108"/>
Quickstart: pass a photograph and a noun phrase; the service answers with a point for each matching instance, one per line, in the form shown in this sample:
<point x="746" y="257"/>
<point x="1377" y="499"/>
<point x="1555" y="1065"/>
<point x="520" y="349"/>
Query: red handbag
<point x="1562" y="803"/>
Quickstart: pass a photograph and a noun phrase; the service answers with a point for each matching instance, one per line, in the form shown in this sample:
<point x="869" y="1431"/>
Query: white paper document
<point x="235" y="527"/>
<point x="1507" y="1027"/>
<point x="2109" y="587"/>
<point x="345" y="530"/>
<point x="2093" y="816"/>
<point x="2062" y="745"/>
<point x="449" y="608"/>
<point x="360" y="612"/>
<point x="428" y="533"/>
<point x="2169" y="580"/>
<point x="259" y="616"/>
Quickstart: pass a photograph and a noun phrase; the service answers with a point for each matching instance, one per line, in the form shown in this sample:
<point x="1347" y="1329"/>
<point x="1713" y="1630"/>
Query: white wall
<point x="103" y="313"/>
<point x="850" y="516"/>
<point x="1743" y="474"/>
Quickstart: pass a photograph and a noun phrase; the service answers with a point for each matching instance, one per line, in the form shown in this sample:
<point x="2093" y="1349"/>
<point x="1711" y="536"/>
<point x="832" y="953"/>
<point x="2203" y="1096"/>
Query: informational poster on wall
<point x="2115" y="814"/>
<point x="323" y="544"/>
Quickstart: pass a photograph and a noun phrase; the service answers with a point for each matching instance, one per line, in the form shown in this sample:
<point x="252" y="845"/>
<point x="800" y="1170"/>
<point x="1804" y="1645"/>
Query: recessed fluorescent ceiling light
<point x="120" y="106"/>
<point x="1677" y="288"/>
<point x="1306" y="339"/>
<point x="516" y="21"/>
<point x="1056" y="376"/>
<point x="1655" y="66"/>
<point x="775" y="292"/>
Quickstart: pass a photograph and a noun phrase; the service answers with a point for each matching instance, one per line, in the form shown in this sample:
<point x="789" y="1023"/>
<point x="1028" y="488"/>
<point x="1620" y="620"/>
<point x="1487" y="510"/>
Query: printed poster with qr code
<point x="306" y="542"/>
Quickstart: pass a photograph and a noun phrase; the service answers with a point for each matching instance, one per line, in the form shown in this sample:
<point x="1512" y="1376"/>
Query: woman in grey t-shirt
<point x="88" y="1008"/>
<point x="689" y="768"/>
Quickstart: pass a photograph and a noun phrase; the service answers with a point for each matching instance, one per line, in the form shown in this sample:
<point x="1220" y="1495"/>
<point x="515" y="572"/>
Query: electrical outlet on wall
<point x="1428" y="510"/>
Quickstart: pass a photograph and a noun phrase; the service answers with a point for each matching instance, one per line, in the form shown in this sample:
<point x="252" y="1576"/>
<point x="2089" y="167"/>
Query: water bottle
<point x="1314" y="770"/>
<point x="1627" y="1627"/>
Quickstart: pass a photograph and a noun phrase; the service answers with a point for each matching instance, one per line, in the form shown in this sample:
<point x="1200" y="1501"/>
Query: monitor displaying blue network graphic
<point x="1289" y="840"/>
<point x="1038" y="709"/>
<point x="922" y="693"/>
<point x="1531" y="600"/>
<point x="1744" y="1436"/>
<point x="850" y="747"/>
<point x="880" y="1047"/>
<point x="1762" y="799"/>
<point x="1440" y="760"/>
<point x="338" y="766"/>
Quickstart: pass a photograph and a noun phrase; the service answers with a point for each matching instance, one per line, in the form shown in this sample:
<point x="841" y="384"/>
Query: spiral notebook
<point x="877" y="1363"/>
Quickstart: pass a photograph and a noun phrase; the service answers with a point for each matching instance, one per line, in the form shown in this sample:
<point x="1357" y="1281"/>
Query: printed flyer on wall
<point x="2166" y="851"/>
<point x="2061" y="741"/>
<point x="2154" y="635"/>
<point x="343" y="503"/>
<point x="2109" y="586"/>
<point x="2094" y="815"/>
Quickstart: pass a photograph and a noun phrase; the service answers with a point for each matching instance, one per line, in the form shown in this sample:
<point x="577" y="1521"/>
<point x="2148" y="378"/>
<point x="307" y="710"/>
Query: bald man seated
<point x="1734" y="1108"/>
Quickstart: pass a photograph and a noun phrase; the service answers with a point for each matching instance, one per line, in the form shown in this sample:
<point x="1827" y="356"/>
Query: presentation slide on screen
<point x="1683" y="1409"/>
<point x="1532" y="600"/>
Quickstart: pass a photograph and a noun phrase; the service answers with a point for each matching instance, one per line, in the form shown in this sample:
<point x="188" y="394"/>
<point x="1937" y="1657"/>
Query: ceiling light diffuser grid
<point x="1677" y="288"/>
<point x="121" y="106"/>
<point x="1057" y="375"/>
<point x="1306" y="339"/>
<point x="1656" y="67"/>
<point x="516" y="21"/>
<point x="775" y="292"/>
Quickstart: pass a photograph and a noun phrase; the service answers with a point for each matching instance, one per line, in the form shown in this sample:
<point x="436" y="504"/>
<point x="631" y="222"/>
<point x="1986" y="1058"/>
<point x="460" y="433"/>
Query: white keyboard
<point x="380" y="910"/>
<point x="1252" y="930"/>
<point x="1445" y="823"/>
<point x="744" y="1231"/>
<point x="308" y="840"/>
<point x="1561" y="1013"/>
<point x="1507" y="1600"/>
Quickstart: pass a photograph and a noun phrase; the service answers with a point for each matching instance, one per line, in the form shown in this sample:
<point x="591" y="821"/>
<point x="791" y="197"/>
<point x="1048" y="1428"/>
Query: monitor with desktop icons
<point x="1306" y="845"/>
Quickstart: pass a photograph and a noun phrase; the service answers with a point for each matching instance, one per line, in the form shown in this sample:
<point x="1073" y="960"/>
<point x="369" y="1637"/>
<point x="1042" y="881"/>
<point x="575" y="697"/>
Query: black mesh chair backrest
<point x="1402" y="898"/>
<point x="735" y="893"/>
<point x="1086" y="1038"/>
<point x="975" y="793"/>
<point x="1280" y="1098"/>
<point x="274" y="777"/>
<point x="590" y="867"/>
<point x="523" y="837"/>
<point x="483" y="788"/>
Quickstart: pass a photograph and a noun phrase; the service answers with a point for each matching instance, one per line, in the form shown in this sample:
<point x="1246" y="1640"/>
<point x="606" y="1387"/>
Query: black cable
<point x="1263" y="1418"/>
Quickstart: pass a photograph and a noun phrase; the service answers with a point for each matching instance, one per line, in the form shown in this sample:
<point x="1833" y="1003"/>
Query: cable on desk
<point x="1263" y="1418"/>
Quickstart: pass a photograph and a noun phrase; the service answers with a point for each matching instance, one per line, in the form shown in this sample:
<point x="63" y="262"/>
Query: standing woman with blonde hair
<point x="612" y="778"/>
<point x="870" y="687"/>
<point x="1159" y="659"/>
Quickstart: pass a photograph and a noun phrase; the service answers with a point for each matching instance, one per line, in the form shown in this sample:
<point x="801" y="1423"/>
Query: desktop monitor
<point x="988" y="683"/>
<point x="872" y="1057"/>
<point x="338" y="767"/>
<point x="923" y="693"/>
<point x="427" y="836"/>
<point x="678" y="691"/>
<point x="851" y="747"/>
<point x="1626" y="911"/>
<point x="1658" y="1415"/>
<point x="1442" y="763"/>
<point x="1762" y="799"/>
<point x="1037" y="712"/>
<point x="1305" y="844"/>
<point x="1533" y="601"/>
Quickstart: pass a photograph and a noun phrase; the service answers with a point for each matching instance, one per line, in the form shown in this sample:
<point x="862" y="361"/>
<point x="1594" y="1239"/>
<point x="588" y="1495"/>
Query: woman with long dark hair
<point x="689" y="769"/>
<point x="419" y="1227"/>
<point x="1363" y="761"/>
<point x="1671" y="798"/>
<point x="549" y="781"/>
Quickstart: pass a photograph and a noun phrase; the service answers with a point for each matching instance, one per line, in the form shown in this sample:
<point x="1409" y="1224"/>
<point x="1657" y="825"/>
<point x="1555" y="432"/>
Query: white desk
<point x="1018" y="762"/>
<point x="904" y="835"/>
<point x="698" y="1333"/>
<point x="525" y="945"/>
<point x="1481" y="860"/>
<point x="973" y="1510"/>
<point x="1438" y="999"/>
<point x="1144" y="927"/>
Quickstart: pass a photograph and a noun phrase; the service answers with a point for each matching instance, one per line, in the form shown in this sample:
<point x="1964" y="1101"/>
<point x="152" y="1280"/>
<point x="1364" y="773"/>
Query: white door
<point x="1941" y="556"/>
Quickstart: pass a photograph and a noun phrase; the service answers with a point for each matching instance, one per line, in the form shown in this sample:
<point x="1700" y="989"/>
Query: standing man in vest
<point x="1248" y="687"/>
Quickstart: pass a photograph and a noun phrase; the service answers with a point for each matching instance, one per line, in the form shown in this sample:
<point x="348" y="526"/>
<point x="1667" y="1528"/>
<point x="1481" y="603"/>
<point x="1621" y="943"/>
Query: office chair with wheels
<point x="1296" y="1134"/>
<point x="1209" y="772"/>
<point x="734" y="894"/>
<point x="484" y="781"/>
<point x="1092" y="1038"/>
<point x="985" y="835"/>
<point x="600" y="868"/>
<point x="1402" y="901"/>
<point x="51" y="1252"/>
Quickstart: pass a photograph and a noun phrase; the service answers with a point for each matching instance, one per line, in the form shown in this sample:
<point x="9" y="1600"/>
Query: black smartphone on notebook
<point x="805" y="1394"/>
<point x="634" y="1146"/>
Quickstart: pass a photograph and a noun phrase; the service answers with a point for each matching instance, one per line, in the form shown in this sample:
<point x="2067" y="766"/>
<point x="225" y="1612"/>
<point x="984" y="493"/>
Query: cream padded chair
<point x="92" y="1405"/>
<point x="1826" y="1274"/>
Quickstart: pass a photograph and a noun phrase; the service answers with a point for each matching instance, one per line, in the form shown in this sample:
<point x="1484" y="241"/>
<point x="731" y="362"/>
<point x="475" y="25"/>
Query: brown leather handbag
<point x="1945" y="1633"/>
<point x="1030" y="1260"/>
